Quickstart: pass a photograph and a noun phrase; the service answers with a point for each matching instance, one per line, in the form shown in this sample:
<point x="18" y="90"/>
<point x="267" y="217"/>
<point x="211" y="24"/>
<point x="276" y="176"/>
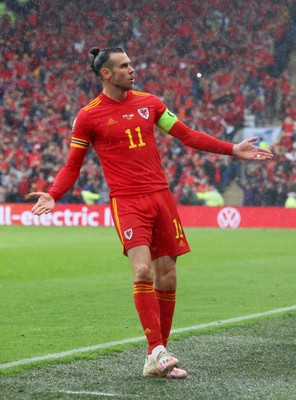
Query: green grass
<point x="253" y="361"/>
<point x="66" y="288"/>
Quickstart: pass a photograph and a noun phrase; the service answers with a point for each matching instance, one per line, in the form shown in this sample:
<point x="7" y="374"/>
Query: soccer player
<point x="119" y="125"/>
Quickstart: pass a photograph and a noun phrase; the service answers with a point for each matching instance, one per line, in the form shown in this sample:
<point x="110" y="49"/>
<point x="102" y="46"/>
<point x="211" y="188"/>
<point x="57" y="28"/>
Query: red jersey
<point x="122" y="135"/>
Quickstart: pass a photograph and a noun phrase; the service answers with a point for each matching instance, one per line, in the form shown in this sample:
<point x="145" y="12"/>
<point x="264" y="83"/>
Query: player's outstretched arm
<point x="245" y="150"/>
<point x="44" y="205"/>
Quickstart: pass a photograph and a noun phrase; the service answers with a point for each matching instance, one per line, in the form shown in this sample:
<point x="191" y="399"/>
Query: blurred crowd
<point x="213" y="63"/>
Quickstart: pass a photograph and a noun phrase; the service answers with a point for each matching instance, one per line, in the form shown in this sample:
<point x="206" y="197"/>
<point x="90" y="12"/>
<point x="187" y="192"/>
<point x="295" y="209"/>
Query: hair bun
<point x="94" y="51"/>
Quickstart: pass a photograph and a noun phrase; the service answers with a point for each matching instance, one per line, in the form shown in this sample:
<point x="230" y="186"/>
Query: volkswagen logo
<point x="228" y="217"/>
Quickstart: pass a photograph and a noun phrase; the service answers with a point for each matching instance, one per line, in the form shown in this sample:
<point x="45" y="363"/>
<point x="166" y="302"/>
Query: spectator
<point x="89" y="197"/>
<point x="251" y="194"/>
<point x="3" y="193"/>
<point x="269" y="195"/>
<point x="291" y="200"/>
<point x="237" y="52"/>
<point x="211" y="197"/>
<point x="281" y="192"/>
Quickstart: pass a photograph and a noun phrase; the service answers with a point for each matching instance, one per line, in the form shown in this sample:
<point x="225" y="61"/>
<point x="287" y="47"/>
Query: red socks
<point x="149" y="313"/>
<point x="166" y="300"/>
<point x="155" y="309"/>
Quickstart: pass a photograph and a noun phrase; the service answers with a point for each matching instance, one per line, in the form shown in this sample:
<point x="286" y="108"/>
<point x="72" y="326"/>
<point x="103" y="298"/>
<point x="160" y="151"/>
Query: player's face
<point x="122" y="72"/>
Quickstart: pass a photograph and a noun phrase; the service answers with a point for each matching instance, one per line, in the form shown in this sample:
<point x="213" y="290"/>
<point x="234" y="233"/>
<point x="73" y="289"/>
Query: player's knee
<point x="170" y="280"/>
<point x="167" y="280"/>
<point x="142" y="272"/>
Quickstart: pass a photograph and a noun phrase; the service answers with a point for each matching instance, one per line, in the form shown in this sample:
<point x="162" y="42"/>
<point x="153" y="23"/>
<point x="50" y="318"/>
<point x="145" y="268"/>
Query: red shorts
<point x="150" y="220"/>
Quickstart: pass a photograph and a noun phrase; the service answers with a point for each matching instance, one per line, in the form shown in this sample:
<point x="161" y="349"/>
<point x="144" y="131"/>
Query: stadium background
<point x="221" y="67"/>
<point x="64" y="289"/>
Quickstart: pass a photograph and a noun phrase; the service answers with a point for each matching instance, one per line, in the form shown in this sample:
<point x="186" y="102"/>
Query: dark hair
<point x="101" y="58"/>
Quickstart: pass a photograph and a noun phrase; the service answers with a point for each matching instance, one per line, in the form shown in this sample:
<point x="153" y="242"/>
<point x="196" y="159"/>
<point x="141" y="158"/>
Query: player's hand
<point x="44" y="205"/>
<point x="245" y="150"/>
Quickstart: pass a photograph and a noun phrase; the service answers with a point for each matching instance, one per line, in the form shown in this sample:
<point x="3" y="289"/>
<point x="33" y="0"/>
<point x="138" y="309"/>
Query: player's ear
<point x="106" y="73"/>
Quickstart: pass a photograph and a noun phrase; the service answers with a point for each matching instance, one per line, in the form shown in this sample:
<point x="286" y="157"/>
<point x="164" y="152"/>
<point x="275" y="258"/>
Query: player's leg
<point x="144" y="296"/>
<point x="165" y="288"/>
<point x="165" y="282"/>
<point x="134" y="221"/>
<point x="168" y="242"/>
<point x="158" y="360"/>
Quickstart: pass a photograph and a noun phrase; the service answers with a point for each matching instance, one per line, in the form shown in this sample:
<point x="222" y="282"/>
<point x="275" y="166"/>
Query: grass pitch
<point x="252" y="361"/>
<point x="67" y="288"/>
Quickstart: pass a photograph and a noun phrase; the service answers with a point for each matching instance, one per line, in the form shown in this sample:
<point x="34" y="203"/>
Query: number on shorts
<point x="179" y="229"/>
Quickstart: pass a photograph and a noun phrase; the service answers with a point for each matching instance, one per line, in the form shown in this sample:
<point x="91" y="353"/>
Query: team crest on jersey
<point x="128" y="234"/>
<point x="144" y="112"/>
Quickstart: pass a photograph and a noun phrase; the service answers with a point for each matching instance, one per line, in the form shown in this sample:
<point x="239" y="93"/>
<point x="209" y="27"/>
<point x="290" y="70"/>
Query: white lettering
<point x="76" y="216"/>
<point x="84" y="216"/>
<point x="2" y="222"/>
<point x="108" y="221"/>
<point x="45" y="219"/>
<point x="67" y="217"/>
<point x="7" y="216"/>
<point x="91" y="218"/>
<point x="26" y="218"/>
<point x="36" y="220"/>
<point x="57" y="218"/>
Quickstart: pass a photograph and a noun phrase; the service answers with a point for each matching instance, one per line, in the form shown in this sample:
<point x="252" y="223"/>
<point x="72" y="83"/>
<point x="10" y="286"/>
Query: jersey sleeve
<point x="69" y="173"/>
<point x="81" y="131"/>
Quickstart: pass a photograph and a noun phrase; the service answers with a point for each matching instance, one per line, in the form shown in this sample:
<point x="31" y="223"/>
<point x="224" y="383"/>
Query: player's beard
<point x="126" y="84"/>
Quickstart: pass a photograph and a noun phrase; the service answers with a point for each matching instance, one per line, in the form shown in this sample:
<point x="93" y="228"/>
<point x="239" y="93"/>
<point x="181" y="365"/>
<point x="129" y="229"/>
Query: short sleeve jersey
<point x="122" y="135"/>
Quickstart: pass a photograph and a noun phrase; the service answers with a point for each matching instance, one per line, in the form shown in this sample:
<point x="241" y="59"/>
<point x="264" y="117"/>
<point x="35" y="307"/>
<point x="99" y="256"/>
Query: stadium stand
<point x="218" y="65"/>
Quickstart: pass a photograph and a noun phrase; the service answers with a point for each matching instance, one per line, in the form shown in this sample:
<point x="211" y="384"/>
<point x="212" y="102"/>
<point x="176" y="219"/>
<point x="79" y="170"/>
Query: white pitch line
<point x="95" y="393"/>
<point x="90" y="393"/>
<point x="140" y="338"/>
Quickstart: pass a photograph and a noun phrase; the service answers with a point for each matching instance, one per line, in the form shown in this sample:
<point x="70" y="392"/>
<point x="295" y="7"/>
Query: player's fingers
<point x="34" y="194"/>
<point x="264" y="151"/>
<point x="35" y="208"/>
<point x="262" y="157"/>
<point x="252" y="139"/>
<point x="40" y="210"/>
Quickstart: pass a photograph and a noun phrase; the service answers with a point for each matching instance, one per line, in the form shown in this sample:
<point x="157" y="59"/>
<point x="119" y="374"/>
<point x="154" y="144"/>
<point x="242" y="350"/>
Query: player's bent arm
<point x="69" y="174"/>
<point x="63" y="182"/>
